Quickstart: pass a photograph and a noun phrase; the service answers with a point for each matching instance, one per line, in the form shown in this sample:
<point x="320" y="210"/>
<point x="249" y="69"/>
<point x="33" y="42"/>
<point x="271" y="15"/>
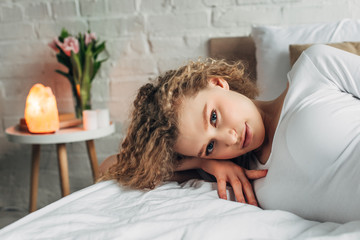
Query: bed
<point x="188" y="210"/>
<point x="191" y="210"/>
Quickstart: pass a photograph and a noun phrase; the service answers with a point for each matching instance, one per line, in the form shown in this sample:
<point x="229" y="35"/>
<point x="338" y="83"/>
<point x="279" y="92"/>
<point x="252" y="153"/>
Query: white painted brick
<point x="16" y="31"/>
<point x="188" y="5"/>
<point x="139" y="44"/>
<point x="92" y="8"/>
<point x="14" y="107"/>
<point x="2" y="126"/>
<point x="104" y="70"/>
<point x="293" y="1"/>
<point x="155" y="6"/>
<point x="122" y="96"/>
<point x="217" y="3"/>
<point x="167" y="46"/>
<point x="178" y="21"/>
<point x="197" y="44"/>
<point x="17" y="51"/>
<point x="120" y="110"/>
<point x="62" y="88"/>
<point x="9" y="121"/>
<point x="117" y="27"/>
<point x="354" y="7"/>
<point x="99" y="104"/>
<point x="2" y="106"/>
<point x="207" y="32"/>
<point x="253" y="2"/>
<point x="12" y="13"/>
<point x="29" y="70"/>
<point x="121" y="6"/>
<point x="126" y="87"/>
<point x="171" y="62"/>
<point x="19" y="89"/>
<point x="53" y="29"/>
<point x="100" y="90"/>
<point x="37" y="11"/>
<point x="177" y="46"/>
<point x="118" y="48"/>
<point x="246" y="15"/>
<point x="320" y="13"/>
<point x="133" y="66"/>
<point x="65" y="105"/>
<point x="134" y="45"/>
<point x="64" y="9"/>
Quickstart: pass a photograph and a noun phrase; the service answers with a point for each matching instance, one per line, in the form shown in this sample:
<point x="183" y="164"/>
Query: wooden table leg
<point x="63" y="169"/>
<point x="93" y="158"/>
<point x="35" y="161"/>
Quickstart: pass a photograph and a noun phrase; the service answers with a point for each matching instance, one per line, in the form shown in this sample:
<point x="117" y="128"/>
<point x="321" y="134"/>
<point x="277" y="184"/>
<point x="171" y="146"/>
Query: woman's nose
<point x="230" y="137"/>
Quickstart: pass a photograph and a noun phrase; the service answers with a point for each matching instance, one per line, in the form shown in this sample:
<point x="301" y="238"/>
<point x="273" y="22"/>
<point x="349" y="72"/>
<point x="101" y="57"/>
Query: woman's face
<point x="218" y="123"/>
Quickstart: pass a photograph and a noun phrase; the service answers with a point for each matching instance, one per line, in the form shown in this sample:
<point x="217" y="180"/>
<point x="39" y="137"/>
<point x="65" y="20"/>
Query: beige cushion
<point x="233" y="49"/>
<point x="296" y="49"/>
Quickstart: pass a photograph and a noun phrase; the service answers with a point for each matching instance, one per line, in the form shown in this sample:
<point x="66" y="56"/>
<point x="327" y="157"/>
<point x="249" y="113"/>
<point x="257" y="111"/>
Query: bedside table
<point x="60" y="138"/>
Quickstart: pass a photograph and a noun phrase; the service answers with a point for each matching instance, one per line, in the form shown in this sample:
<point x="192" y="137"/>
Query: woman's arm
<point x="224" y="171"/>
<point x="190" y="163"/>
<point x="227" y="172"/>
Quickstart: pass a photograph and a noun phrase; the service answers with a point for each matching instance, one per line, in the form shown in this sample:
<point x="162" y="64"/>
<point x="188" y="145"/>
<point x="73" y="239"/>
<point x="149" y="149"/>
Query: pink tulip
<point x="89" y="37"/>
<point x="70" y="44"/>
<point x="53" y="45"/>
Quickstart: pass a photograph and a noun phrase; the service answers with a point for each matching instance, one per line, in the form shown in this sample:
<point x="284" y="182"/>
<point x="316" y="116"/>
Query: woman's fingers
<point x="255" y="174"/>
<point x="222" y="188"/>
<point x="248" y="190"/>
<point x="238" y="177"/>
<point x="237" y="186"/>
<point x="247" y="187"/>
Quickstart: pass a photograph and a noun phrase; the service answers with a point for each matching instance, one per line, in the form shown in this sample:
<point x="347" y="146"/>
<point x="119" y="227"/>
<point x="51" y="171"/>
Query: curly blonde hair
<point x="147" y="157"/>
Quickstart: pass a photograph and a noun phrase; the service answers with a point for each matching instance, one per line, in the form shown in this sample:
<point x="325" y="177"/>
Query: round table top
<point x="65" y="135"/>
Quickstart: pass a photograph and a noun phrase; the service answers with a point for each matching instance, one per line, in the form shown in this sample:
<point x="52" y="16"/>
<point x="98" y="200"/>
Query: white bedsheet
<point x="191" y="210"/>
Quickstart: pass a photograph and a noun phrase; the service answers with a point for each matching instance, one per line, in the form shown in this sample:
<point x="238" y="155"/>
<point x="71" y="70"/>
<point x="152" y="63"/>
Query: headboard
<point x="235" y="48"/>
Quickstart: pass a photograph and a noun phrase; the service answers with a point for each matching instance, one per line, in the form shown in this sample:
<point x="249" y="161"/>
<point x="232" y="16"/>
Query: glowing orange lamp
<point x="41" y="113"/>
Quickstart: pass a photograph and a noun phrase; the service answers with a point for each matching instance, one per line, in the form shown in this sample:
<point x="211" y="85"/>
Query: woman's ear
<point x="219" y="82"/>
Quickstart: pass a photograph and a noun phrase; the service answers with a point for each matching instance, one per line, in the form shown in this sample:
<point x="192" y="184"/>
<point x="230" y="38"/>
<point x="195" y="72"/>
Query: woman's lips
<point x="247" y="136"/>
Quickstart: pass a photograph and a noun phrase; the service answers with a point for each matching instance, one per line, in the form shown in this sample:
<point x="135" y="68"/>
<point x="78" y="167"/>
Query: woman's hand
<point x="238" y="177"/>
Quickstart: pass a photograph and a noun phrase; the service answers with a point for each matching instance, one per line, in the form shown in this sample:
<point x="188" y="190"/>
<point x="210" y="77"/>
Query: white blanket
<point x="191" y="210"/>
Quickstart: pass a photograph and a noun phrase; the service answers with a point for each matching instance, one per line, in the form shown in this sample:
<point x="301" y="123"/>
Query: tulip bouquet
<point x="80" y="55"/>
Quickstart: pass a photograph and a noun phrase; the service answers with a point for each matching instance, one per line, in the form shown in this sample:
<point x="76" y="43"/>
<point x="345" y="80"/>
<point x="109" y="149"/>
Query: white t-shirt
<point x="314" y="165"/>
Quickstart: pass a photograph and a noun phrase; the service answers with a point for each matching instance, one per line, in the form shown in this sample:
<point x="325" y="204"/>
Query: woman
<point x="308" y="137"/>
<point x="147" y="155"/>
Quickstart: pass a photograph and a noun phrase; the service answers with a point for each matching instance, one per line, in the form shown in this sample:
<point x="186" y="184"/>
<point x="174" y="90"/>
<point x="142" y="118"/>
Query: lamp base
<point x="67" y="120"/>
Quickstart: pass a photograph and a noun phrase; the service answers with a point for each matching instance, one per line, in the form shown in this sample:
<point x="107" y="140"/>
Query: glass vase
<point x="82" y="101"/>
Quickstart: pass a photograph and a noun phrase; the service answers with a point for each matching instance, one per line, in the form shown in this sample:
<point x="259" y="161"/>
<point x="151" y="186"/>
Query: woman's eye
<point x="213" y="117"/>
<point x="209" y="148"/>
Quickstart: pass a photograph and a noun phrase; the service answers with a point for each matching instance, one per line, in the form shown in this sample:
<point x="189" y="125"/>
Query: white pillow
<point x="272" y="49"/>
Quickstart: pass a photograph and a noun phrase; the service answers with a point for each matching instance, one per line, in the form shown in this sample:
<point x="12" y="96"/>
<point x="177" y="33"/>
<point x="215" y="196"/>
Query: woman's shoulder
<point x="321" y="53"/>
<point x="317" y="49"/>
<point x="314" y="60"/>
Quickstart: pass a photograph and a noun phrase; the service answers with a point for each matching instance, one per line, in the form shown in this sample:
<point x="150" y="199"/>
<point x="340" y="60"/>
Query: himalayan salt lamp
<point x="41" y="113"/>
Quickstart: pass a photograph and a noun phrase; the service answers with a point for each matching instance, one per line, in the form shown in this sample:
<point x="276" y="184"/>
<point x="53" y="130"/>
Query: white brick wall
<point x="144" y="37"/>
